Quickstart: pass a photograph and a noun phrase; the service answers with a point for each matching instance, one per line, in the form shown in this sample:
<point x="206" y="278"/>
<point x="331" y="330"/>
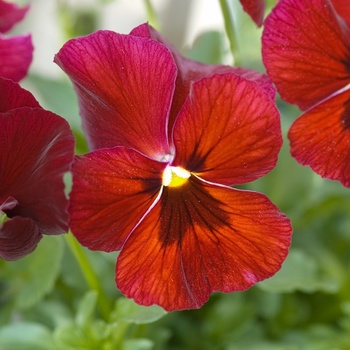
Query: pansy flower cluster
<point x="168" y="138"/>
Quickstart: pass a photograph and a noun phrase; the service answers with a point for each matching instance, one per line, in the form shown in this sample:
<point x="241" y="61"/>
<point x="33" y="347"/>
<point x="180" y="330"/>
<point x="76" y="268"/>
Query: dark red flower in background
<point x="36" y="149"/>
<point x="168" y="137"/>
<point x="306" y="51"/>
<point x="16" y="52"/>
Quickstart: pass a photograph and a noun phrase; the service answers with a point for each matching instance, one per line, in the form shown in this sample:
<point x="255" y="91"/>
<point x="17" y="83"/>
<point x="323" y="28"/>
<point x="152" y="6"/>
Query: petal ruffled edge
<point x="13" y="96"/>
<point x="10" y="14"/>
<point x="255" y="9"/>
<point x="18" y="238"/>
<point x="198" y="239"/>
<point x="16" y="54"/>
<point x="320" y="138"/>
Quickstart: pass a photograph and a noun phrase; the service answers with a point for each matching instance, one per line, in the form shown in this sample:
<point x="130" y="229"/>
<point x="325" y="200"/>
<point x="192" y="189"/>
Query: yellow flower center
<point x="175" y="176"/>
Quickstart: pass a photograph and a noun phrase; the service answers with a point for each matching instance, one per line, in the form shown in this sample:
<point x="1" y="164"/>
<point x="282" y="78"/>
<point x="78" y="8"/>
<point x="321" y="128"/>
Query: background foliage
<point x="46" y="303"/>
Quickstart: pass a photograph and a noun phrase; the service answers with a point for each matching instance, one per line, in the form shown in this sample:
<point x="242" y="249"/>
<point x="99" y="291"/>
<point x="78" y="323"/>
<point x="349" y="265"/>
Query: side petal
<point x="201" y="238"/>
<point x="10" y="14"/>
<point x="255" y="9"/>
<point x="320" y="138"/>
<point x="190" y="71"/>
<point x="18" y="238"/>
<point x="36" y="149"/>
<point x="112" y="191"/>
<point x="16" y="54"/>
<point x="306" y="50"/>
<point x="125" y="85"/>
<point x="228" y="131"/>
<point x="13" y="96"/>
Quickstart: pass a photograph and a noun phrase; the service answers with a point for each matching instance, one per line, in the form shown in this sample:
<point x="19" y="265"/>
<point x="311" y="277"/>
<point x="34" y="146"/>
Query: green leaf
<point x="32" y="277"/>
<point x="209" y="47"/>
<point x="25" y="336"/>
<point x="300" y="272"/>
<point x="128" y="311"/>
<point x="86" y="309"/>
<point x="137" y="344"/>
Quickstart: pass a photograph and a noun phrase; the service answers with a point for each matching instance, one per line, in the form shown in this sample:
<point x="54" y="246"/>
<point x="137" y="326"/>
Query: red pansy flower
<point x="169" y="136"/>
<point x="16" y="52"/>
<point x="306" y="50"/>
<point x="36" y="149"/>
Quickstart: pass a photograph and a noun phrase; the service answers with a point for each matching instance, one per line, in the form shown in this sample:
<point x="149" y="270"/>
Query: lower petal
<point x="320" y="138"/>
<point x="200" y="238"/>
<point x="18" y="237"/>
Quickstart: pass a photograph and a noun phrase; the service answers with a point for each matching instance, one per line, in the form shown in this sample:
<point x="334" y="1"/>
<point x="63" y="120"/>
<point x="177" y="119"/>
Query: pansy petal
<point x="320" y="138"/>
<point x="10" y="14"/>
<point x="306" y="50"/>
<point x="343" y="9"/>
<point x="201" y="238"/>
<point x="112" y="191"/>
<point x="18" y="237"/>
<point x="16" y="54"/>
<point x="36" y="149"/>
<point x="255" y="9"/>
<point x="12" y="96"/>
<point x="190" y="71"/>
<point x="228" y="131"/>
<point x="125" y="85"/>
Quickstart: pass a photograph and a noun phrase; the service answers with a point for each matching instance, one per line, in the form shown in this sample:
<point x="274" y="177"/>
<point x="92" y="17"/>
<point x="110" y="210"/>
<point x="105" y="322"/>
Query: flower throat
<point x="175" y="176"/>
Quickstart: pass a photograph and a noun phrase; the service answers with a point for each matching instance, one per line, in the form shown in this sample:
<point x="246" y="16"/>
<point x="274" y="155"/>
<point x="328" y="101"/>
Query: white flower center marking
<point x="175" y="176"/>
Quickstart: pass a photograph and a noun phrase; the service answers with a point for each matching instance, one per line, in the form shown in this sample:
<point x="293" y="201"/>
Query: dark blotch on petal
<point x="188" y="205"/>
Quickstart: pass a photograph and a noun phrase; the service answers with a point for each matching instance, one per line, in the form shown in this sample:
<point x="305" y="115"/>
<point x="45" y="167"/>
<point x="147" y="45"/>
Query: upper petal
<point x="201" y="238"/>
<point x="18" y="237"/>
<point x="306" y="50"/>
<point x="12" y="96"/>
<point x="125" y="85"/>
<point x="10" y="14"/>
<point x="112" y="190"/>
<point x="228" y="131"/>
<point x="190" y="71"/>
<point x="16" y="54"/>
<point x="320" y="138"/>
<point x="36" y="149"/>
<point x="255" y="9"/>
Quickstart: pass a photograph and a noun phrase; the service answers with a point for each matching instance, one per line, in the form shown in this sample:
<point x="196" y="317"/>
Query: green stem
<point x="3" y="217"/>
<point x="89" y="274"/>
<point x="151" y="14"/>
<point x="230" y="29"/>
